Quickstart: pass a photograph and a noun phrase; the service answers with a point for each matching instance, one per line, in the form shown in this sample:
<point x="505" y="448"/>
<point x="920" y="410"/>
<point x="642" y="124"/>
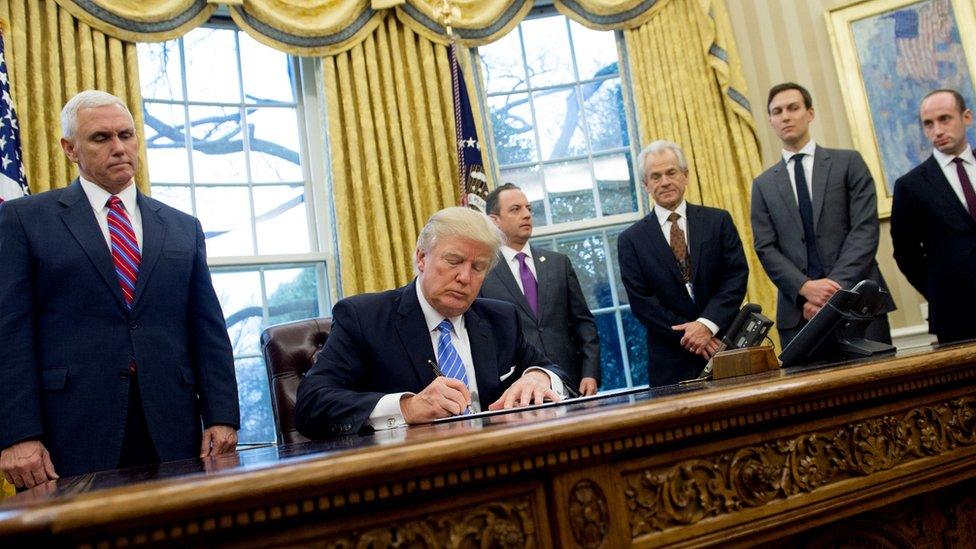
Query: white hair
<point x="658" y="147"/>
<point x="463" y="222"/>
<point x="88" y="99"/>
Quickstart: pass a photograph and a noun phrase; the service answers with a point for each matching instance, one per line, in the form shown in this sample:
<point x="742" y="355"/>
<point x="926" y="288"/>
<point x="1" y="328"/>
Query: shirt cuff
<point x="709" y="324"/>
<point x="555" y="381"/>
<point x="387" y="413"/>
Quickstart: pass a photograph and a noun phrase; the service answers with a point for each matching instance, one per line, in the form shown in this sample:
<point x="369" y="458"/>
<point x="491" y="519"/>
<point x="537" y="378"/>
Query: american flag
<point x="13" y="181"/>
<point x="472" y="181"/>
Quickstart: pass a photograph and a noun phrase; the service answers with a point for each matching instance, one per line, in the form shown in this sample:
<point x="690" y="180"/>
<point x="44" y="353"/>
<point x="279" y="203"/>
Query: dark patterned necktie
<point x="967" y="187"/>
<point x="815" y="268"/>
<point x="530" y="287"/>
<point x="679" y="247"/>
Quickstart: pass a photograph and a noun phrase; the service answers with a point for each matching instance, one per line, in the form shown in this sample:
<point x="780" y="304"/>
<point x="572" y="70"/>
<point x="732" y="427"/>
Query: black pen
<point x="439" y="373"/>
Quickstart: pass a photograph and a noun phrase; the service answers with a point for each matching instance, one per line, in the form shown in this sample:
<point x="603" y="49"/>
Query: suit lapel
<point x="486" y="369"/>
<point x="696" y="230"/>
<point x="659" y="247"/>
<point x="821" y="171"/>
<point x="153" y="235"/>
<point x="542" y="275"/>
<point x="80" y="221"/>
<point x="784" y="188"/>
<point x="413" y="334"/>
<point x="939" y="184"/>
<point x="504" y="274"/>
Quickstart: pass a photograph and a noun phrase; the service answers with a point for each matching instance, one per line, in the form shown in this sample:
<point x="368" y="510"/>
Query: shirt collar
<point x="945" y="159"/>
<point x="431" y="316"/>
<point x="663" y="213"/>
<point x="809" y="149"/>
<point x="510" y="253"/>
<point x="98" y="197"/>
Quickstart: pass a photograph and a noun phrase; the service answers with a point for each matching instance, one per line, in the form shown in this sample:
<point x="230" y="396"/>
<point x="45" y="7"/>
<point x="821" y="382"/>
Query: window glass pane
<point x="502" y="65"/>
<point x="218" y="145"/>
<point x="253" y="391"/>
<point x="267" y="72"/>
<point x="225" y="213"/>
<point x="612" y="365"/>
<point x="282" y="222"/>
<point x="166" y="143"/>
<point x="636" y="337"/>
<point x="292" y="294"/>
<point x="160" y="75"/>
<point x="560" y="123"/>
<point x="512" y="126"/>
<point x="547" y="51"/>
<point x="604" y="105"/>
<point x="587" y="254"/>
<point x="273" y="134"/>
<point x="529" y="179"/>
<point x="211" y="66"/>
<point x="596" y="51"/>
<point x="175" y="196"/>
<point x="239" y="293"/>
<point x="570" y="188"/>
<point x="618" y="194"/>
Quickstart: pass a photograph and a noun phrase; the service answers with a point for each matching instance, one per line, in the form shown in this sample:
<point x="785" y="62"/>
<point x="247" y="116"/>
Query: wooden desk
<point x="736" y="462"/>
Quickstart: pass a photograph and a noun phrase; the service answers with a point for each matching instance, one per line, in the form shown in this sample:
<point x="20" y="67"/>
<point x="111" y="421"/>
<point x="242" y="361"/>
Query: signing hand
<point x="819" y="291"/>
<point x="532" y="387"/>
<point x="587" y="386"/>
<point x="218" y="439"/>
<point x="809" y="310"/>
<point x="444" y="397"/>
<point x="696" y="338"/>
<point x="27" y="464"/>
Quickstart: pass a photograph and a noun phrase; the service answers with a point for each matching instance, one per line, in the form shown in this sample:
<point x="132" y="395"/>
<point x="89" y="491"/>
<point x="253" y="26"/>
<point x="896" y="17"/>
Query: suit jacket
<point x="379" y="345"/>
<point x="658" y="297"/>
<point x="68" y="338"/>
<point x="935" y="246"/>
<point x="564" y="330"/>
<point x="845" y="217"/>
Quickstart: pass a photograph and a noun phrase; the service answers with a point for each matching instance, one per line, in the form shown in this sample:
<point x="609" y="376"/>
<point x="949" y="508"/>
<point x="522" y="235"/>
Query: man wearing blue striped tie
<point x="430" y="349"/>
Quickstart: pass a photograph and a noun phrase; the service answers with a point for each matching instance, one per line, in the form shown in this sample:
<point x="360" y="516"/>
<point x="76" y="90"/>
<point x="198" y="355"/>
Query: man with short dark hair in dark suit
<point x="683" y="268"/>
<point x="543" y="286"/>
<point x="115" y="349"/>
<point x="815" y="229"/>
<point x="933" y="219"/>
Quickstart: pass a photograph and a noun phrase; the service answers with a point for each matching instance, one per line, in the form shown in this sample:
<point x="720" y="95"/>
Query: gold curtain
<point x="687" y="89"/>
<point x="50" y="57"/>
<point x="391" y="132"/>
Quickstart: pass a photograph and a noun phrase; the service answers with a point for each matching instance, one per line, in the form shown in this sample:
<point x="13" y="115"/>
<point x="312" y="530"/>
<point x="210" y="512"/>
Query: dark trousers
<point x="137" y="446"/>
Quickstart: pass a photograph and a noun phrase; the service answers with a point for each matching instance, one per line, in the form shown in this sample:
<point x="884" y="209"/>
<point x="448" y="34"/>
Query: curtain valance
<point x="328" y="27"/>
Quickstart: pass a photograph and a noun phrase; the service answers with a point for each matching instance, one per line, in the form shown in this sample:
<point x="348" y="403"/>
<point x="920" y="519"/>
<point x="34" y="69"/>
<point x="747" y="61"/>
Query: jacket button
<point x="124" y="375"/>
<point x="133" y="324"/>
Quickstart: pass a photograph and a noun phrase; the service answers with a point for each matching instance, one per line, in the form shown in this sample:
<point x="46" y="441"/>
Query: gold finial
<point x="448" y="13"/>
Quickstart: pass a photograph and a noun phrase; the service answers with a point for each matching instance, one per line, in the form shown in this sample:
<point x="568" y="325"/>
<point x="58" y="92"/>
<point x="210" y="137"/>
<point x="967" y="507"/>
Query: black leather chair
<point x="289" y="352"/>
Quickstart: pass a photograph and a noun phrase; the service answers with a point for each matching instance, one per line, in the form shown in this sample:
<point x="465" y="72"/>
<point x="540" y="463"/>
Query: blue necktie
<point x="815" y="268"/>
<point x="447" y="355"/>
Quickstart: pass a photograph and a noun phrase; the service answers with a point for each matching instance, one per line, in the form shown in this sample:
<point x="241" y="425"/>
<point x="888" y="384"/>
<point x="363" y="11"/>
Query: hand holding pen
<point x="444" y="397"/>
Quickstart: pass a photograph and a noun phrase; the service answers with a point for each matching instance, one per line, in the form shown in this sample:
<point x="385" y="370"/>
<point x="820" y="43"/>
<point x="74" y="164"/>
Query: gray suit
<point x="565" y="329"/>
<point x="845" y="219"/>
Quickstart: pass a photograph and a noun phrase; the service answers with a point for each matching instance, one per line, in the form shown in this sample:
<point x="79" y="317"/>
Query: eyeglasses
<point x="671" y="175"/>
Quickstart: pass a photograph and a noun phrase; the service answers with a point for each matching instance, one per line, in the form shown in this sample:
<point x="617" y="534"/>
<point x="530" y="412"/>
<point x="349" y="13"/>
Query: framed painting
<point x="889" y="54"/>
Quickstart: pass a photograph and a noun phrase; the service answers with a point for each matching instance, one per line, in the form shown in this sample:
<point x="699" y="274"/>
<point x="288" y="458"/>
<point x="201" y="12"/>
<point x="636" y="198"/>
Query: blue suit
<point x="379" y="345"/>
<point x="68" y="338"/>
<point x="657" y="293"/>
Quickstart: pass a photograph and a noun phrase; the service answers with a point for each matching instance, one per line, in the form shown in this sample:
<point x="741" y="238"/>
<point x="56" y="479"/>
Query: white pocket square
<point x="507" y="374"/>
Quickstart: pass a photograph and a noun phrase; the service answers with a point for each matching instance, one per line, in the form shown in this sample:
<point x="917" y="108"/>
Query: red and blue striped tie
<point x="125" y="248"/>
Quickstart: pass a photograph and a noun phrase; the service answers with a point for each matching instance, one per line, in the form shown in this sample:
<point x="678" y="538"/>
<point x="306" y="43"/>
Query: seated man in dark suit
<point x="427" y="350"/>
<point x="683" y="268"/>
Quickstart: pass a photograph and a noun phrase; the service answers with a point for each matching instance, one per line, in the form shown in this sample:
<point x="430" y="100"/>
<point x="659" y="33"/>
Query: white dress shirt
<point x="513" y="263"/>
<point x="807" y="151"/>
<point x="387" y="413"/>
<point x="98" y="198"/>
<point x="949" y="169"/>
<point x="662" y="214"/>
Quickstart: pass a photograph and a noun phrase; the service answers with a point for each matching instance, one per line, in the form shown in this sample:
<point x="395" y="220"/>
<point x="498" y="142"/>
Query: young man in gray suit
<point x="815" y="228"/>
<point x="543" y="286"/>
